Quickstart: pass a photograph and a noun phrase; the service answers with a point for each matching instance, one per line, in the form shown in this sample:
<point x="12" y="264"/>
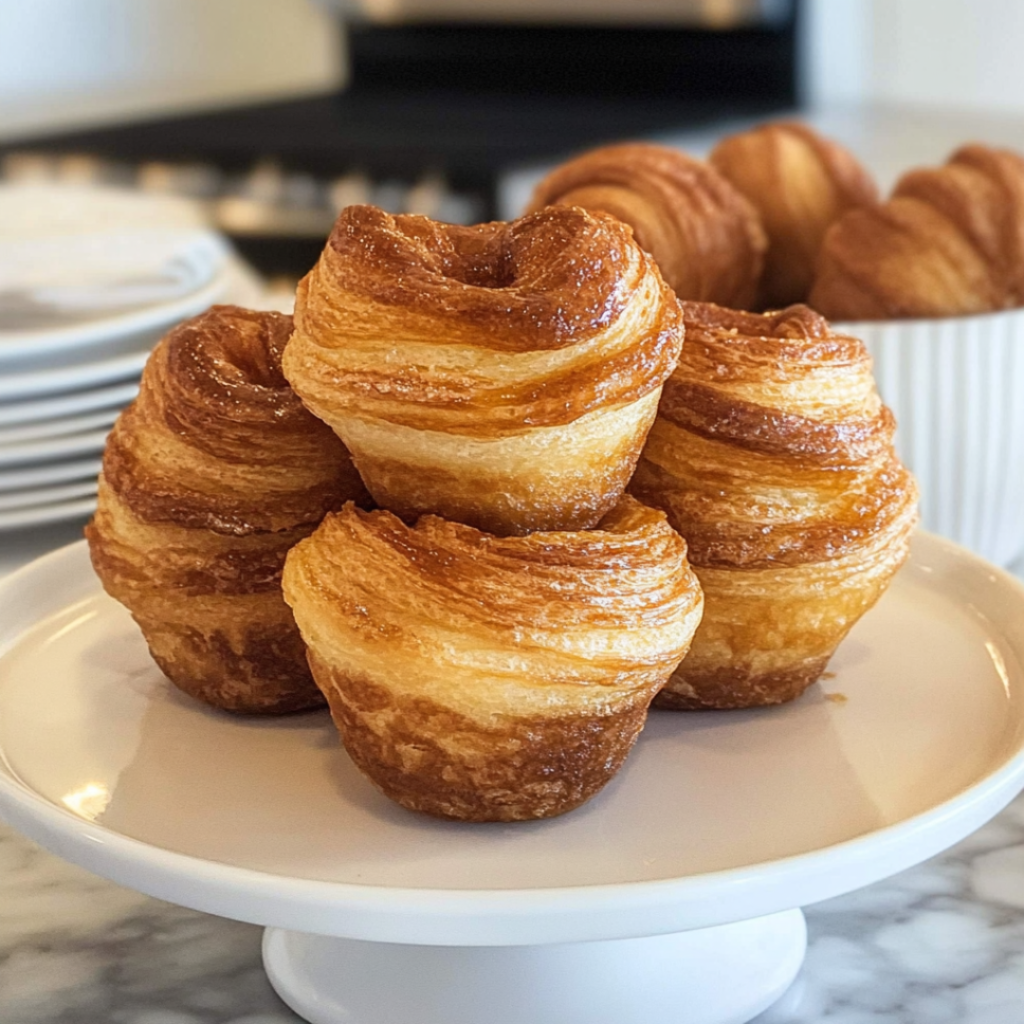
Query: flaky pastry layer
<point x="772" y="455"/>
<point x="800" y="183"/>
<point x="706" y="238"/>
<point x="209" y="606"/>
<point x="208" y="478"/>
<point x="949" y="242"/>
<point x="488" y="678"/>
<point x="447" y="357"/>
<point x="549" y="476"/>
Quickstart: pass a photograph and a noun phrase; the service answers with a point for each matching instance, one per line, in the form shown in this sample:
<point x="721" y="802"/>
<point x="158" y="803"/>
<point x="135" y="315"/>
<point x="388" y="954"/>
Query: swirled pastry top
<point x="773" y="446"/>
<point x="707" y="239"/>
<point x="492" y="328"/>
<point x="217" y="438"/>
<point x="950" y="241"/>
<point x="610" y="607"/>
<point x="779" y="383"/>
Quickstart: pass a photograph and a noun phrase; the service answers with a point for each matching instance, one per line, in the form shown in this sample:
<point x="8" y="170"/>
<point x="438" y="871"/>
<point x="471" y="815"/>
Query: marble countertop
<point x="941" y="942"/>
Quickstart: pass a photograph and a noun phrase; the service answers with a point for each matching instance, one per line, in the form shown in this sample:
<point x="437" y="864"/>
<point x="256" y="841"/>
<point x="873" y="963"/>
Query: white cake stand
<point x="671" y="896"/>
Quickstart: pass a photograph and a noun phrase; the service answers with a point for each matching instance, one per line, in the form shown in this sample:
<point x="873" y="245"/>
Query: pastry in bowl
<point x="706" y="238"/>
<point x="484" y="678"/>
<point x="209" y="477"/>
<point x="503" y="375"/>
<point x="800" y="183"/>
<point x="772" y="455"/>
<point x="933" y="282"/>
<point x="949" y="242"/>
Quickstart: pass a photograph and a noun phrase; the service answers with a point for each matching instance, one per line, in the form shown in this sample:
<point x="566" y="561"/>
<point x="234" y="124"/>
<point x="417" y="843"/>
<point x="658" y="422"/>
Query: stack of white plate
<point x="88" y="284"/>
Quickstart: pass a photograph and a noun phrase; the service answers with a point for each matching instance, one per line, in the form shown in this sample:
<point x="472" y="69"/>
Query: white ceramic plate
<point x="12" y="501"/>
<point x="39" y="515"/>
<point x="67" y="294"/>
<point x="54" y="380"/>
<point x="21" y="478"/>
<point x="44" y="430"/>
<point x="75" y="403"/>
<point x="36" y="496"/>
<point x="911" y="742"/>
<point x="52" y="448"/>
<point x="115" y="360"/>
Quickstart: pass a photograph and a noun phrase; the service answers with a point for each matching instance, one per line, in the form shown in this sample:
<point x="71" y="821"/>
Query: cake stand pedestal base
<point x="722" y="975"/>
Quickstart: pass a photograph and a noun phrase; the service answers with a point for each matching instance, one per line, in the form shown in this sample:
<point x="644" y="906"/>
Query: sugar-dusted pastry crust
<point x="486" y="678"/>
<point x="209" y="477"/>
<point x="949" y="242"/>
<point x="772" y="455"/>
<point x="705" y="236"/>
<point x="800" y="183"/>
<point x="503" y="375"/>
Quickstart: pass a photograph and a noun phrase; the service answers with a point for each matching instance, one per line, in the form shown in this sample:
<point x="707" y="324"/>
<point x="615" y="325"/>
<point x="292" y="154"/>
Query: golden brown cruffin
<point x="209" y="477"/>
<point x="706" y="238"/>
<point x="502" y="375"/>
<point x="772" y="455"/>
<point x="949" y="242"/>
<point x="485" y="678"/>
<point x="800" y="183"/>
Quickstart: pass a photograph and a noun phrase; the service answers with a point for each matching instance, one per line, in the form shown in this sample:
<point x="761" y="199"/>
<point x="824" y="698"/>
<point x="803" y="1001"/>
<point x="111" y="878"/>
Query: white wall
<point x="952" y="55"/>
<point x="76" y="62"/>
<point x="962" y="54"/>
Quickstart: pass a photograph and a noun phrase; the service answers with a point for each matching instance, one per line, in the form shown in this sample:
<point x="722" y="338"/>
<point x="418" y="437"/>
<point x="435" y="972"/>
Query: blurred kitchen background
<point x="275" y="113"/>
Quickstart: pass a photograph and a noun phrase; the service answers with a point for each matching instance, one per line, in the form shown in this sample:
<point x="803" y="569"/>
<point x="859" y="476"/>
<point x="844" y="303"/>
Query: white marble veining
<point x="75" y="949"/>
<point x="942" y="943"/>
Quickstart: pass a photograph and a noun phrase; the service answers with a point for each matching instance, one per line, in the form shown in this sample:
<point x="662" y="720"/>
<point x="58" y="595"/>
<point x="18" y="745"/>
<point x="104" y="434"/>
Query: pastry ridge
<point x="491" y="678"/>
<point x="209" y="477"/>
<point x="705" y="236"/>
<point x="503" y="375"/>
<point x="800" y="183"/>
<point x="795" y="527"/>
<point x="949" y="242"/>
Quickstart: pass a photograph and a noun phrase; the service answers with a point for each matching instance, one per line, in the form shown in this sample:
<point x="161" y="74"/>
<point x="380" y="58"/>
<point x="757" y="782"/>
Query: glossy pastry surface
<point x="800" y="183"/>
<point x="487" y="678"/>
<point x="704" y="235"/>
<point x="772" y="455"/>
<point x="503" y="375"/>
<point x="949" y="242"/>
<point x="208" y="478"/>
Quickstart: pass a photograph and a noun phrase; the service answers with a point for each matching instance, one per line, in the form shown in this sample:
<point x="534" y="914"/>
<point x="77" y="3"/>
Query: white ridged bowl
<point x="956" y="386"/>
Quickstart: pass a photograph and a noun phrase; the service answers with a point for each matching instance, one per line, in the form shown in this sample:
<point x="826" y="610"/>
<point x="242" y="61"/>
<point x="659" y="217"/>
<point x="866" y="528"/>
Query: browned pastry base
<point x="726" y="689"/>
<point x="209" y="606"/>
<point x="518" y="769"/>
<point x="576" y="473"/>
<point x="253" y="670"/>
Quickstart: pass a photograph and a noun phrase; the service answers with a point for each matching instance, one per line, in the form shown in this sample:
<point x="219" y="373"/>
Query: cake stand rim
<point x="511" y="916"/>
